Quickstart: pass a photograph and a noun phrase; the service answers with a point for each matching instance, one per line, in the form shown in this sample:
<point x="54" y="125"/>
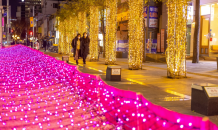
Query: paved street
<point x="152" y="82"/>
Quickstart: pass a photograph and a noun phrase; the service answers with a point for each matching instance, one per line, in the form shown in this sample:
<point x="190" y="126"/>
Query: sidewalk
<point x="152" y="82"/>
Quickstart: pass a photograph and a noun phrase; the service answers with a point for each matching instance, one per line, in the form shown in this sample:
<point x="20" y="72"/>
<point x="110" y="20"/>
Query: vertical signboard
<point x="153" y="17"/>
<point x="145" y="13"/>
<point x="162" y="39"/>
<point x="158" y="42"/>
<point x="31" y="22"/>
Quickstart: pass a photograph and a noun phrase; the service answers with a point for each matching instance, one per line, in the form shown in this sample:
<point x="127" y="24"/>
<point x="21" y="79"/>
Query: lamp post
<point x="8" y="22"/>
<point x="1" y="7"/>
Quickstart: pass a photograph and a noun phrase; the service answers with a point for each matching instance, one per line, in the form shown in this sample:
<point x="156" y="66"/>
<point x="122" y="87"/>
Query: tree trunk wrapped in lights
<point x="72" y="31"/>
<point x="94" y="30"/>
<point x="66" y="37"/>
<point x="61" y="29"/>
<point x="111" y="29"/>
<point x="82" y="25"/>
<point x="68" y="30"/>
<point x="135" y="34"/>
<point x="176" y="38"/>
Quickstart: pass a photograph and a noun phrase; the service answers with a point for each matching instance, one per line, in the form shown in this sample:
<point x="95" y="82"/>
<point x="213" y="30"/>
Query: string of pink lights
<point x="40" y="92"/>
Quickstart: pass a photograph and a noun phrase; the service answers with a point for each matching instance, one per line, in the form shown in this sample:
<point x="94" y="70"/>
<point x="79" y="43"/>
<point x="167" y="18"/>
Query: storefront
<point x="209" y="30"/>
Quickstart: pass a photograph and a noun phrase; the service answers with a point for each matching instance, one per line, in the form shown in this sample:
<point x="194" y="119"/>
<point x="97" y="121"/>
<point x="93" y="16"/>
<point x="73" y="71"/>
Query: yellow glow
<point x="68" y="30"/>
<point x="82" y="22"/>
<point x="135" y="34"/>
<point x="176" y="38"/>
<point x="94" y="30"/>
<point x="111" y="29"/>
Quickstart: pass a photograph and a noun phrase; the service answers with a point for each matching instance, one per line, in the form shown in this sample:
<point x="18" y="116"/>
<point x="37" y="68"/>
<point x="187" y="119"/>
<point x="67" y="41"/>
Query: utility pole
<point x="33" y="24"/>
<point x="8" y="20"/>
<point x="1" y="7"/>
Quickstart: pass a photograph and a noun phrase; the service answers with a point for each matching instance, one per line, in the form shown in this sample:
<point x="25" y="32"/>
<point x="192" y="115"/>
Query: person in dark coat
<point x="85" y="47"/>
<point x="77" y="46"/>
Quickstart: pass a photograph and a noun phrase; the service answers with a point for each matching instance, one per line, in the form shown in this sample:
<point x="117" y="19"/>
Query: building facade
<point x="209" y="28"/>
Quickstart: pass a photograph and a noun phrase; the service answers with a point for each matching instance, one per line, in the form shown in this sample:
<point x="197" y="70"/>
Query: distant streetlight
<point x="15" y="37"/>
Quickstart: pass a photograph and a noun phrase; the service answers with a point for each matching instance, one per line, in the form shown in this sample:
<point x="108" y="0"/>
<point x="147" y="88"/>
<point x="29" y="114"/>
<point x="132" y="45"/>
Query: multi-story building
<point x="48" y="21"/>
<point x="28" y="6"/>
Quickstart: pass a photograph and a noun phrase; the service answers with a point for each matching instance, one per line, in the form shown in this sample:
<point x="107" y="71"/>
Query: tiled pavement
<point x="152" y="82"/>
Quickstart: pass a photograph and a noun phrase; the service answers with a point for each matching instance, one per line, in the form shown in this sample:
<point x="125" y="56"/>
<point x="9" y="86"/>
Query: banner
<point x="31" y="22"/>
<point x="162" y="39"/>
<point x="158" y="42"/>
<point x="153" y="17"/>
<point x="122" y="45"/>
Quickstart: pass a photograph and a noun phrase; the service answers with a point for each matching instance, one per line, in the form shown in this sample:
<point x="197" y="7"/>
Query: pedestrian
<point x="85" y="47"/>
<point x="44" y="44"/>
<point x="37" y="45"/>
<point x="76" y="44"/>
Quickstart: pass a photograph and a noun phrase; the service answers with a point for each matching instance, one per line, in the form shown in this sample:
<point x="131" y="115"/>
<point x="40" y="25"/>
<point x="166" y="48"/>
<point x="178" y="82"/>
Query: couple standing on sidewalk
<point x="81" y="47"/>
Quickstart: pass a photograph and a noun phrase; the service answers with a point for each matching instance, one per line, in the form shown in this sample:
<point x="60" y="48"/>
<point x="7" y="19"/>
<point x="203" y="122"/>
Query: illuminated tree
<point x="135" y="34"/>
<point x="111" y="28"/>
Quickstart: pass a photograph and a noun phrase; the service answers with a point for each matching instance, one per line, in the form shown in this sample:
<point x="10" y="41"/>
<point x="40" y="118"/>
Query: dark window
<point x="55" y="5"/>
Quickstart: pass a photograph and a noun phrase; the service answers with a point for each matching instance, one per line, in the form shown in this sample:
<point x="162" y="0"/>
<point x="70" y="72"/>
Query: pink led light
<point x="43" y="93"/>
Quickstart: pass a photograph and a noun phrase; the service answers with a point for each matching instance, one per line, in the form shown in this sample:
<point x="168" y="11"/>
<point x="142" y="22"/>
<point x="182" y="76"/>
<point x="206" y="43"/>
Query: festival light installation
<point x="111" y="29"/>
<point x="39" y="92"/>
<point x="62" y="37"/>
<point x="68" y="30"/>
<point x="72" y="27"/>
<point x="82" y="22"/>
<point x="94" y="30"/>
<point x="176" y="38"/>
<point x="135" y="34"/>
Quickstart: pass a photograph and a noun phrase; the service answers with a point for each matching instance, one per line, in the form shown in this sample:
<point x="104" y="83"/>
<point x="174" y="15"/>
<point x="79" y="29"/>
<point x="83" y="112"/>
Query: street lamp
<point x="15" y="37"/>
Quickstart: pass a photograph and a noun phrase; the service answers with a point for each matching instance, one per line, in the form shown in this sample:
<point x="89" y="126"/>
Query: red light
<point x="31" y="33"/>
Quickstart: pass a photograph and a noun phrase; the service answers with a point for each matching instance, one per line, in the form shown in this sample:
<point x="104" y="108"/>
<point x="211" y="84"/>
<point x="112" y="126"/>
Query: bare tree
<point x="18" y="27"/>
<point x="196" y="33"/>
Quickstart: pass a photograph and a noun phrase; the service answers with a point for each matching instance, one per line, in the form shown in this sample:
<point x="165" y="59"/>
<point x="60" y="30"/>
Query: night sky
<point x="14" y="4"/>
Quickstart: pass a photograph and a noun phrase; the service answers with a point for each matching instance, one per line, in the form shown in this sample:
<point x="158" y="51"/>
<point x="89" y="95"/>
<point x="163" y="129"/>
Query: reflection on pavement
<point x="181" y="97"/>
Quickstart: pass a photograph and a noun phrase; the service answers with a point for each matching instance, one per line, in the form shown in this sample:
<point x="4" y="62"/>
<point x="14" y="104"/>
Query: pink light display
<point x="40" y="92"/>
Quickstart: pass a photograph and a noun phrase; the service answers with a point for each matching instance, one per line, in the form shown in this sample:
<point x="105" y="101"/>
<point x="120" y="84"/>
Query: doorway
<point x="204" y="35"/>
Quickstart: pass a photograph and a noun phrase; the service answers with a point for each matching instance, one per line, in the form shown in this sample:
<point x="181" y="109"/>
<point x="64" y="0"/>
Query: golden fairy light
<point x="111" y="28"/>
<point x="135" y="34"/>
<point x="61" y="37"/>
<point x="71" y="32"/>
<point x="82" y="25"/>
<point x="176" y="38"/>
<point x="68" y="30"/>
<point x="94" y="30"/>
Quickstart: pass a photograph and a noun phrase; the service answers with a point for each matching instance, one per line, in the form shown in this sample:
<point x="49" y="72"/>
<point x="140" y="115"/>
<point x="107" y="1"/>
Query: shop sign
<point x="31" y="22"/>
<point x="122" y="45"/>
<point x="158" y="42"/>
<point x="153" y="23"/>
<point x="145" y="13"/>
<point x="162" y="39"/>
<point x="153" y="17"/>
<point x="4" y="35"/>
